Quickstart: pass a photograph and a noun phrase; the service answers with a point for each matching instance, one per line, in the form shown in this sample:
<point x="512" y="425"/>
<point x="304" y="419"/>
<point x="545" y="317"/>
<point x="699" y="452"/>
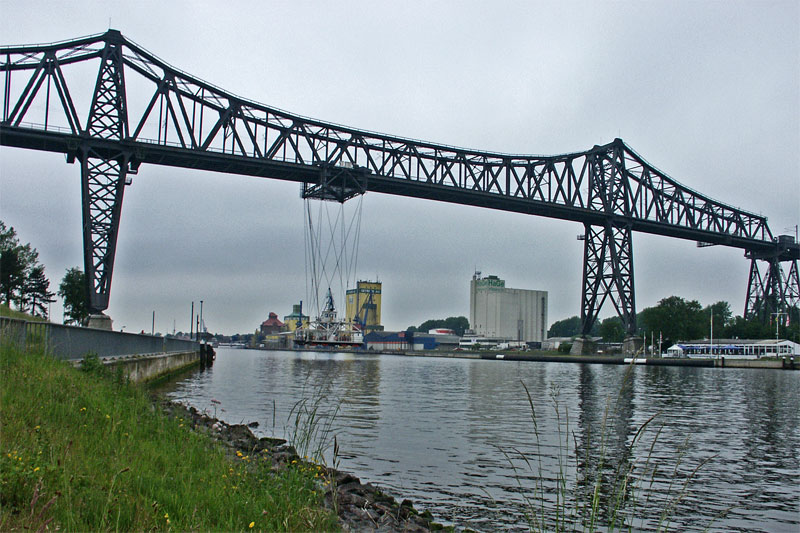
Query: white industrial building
<point x="511" y="314"/>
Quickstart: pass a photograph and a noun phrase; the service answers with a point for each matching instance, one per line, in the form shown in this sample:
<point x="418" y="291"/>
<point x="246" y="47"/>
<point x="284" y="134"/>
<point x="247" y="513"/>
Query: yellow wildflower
<point x="251" y="525"/>
<point x="166" y="515"/>
<point x="36" y="469"/>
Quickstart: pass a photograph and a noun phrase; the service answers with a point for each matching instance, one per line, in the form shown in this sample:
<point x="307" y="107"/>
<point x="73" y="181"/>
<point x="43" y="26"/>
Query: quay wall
<point x="140" y="357"/>
<point x="785" y="363"/>
<point x="150" y="367"/>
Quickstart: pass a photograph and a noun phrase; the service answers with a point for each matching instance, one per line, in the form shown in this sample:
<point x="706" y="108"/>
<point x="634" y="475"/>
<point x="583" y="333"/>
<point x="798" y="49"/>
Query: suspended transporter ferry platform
<point x="328" y="332"/>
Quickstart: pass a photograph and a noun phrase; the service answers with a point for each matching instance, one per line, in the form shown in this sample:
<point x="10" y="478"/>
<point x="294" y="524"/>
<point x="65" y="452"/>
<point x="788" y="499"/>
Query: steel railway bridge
<point x="111" y="105"/>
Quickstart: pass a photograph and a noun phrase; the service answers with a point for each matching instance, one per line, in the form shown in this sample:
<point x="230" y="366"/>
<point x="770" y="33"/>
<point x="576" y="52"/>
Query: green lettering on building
<point x="491" y="282"/>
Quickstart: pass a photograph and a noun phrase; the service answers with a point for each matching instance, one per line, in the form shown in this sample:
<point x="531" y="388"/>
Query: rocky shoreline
<point x="360" y="506"/>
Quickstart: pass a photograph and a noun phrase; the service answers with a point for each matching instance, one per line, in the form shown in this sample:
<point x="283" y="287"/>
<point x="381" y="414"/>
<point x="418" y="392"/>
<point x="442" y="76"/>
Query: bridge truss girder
<point x="179" y="120"/>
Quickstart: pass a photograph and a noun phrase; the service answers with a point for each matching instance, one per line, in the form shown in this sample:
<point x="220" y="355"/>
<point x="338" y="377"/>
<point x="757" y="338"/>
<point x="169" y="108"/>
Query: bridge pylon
<point x="770" y="288"/>
<point x="104" y="169"/>
<point x="608" y="274"/>
<point x="608" y="247"/>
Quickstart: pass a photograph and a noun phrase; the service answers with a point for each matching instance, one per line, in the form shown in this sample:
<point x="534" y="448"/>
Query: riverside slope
<point x="360" y="506"/>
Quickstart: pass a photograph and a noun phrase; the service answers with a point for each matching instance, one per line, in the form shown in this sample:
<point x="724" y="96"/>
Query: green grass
<point x="79" y="452"/>
<point x="7" y="312"/>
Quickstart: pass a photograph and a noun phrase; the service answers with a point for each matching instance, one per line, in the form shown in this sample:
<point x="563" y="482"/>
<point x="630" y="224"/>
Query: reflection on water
<point x="459" y="437"/>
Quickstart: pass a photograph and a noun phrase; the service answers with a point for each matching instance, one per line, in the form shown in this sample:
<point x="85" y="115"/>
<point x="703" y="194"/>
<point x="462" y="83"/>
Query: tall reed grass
<point x="310" y="426"/>
<point x="597" y="487"/>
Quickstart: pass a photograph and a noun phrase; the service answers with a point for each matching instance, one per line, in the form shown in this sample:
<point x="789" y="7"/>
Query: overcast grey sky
<point x="708" y="92"/>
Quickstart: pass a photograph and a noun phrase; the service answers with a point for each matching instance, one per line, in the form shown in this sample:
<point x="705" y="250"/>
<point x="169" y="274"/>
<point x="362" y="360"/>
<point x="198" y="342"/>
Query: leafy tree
<point x="8" y="237"/>
<point x="787" y="328"/>
<point x="73" y="290"/>
<point x="571" y="327"/>
<point x="37" y="292"/>
<point x="457" y="323"/>
<point x="612" y="329"/>
<point x="741" y="328"/>
<point x="12" y="274"/>
<point x="12" y="264"/>
<point x="430" y="324"/>
<point x="677" y="320"/>
<point x="568" y="327"/>
<point x="20" y="272"/>
<point x="722" y="317"/>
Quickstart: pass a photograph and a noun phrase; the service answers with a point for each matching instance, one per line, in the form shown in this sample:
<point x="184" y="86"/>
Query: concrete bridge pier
<point x="100" y="321"/>
<point x="583" y="346"/>
<point x="633" y="345"/>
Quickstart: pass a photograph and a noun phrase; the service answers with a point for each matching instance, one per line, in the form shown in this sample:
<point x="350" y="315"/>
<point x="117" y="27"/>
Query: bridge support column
<point x="103" y="174"/>
<point x="608" y="273"/>
<point x="103" y="185"/>
<point x="633" y="345"/>
<point x="583" y="346"/>
<point x="771" y="290"/>
<point x="100" y="321"/>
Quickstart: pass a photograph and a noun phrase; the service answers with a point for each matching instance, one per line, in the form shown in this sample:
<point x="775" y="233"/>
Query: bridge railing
<point x="72" y="342"/>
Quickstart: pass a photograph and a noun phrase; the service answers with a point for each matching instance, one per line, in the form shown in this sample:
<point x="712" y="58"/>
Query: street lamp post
<point x="711" y="340"/>
<point x="202" y="337"/>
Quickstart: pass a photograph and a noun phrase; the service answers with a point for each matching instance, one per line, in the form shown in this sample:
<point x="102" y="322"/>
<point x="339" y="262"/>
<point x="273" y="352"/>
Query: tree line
<point x="459" y="324"/>
<point x="677" y="319"/>
<point x="24" y="285"/>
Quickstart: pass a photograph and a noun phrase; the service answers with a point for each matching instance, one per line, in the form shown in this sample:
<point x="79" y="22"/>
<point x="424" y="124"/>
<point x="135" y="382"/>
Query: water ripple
<point x="458" y="436"/>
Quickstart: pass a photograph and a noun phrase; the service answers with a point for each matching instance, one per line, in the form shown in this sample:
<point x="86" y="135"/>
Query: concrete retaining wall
<point x="72" y="342"/>
<point x="143" y="368"/>
<point x="141" y="357"/>
<point x="750" y="363"/>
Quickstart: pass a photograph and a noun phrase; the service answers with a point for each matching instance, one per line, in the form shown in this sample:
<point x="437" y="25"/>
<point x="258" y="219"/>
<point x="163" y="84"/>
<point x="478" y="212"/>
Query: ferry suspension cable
<point x="331" y="250"/>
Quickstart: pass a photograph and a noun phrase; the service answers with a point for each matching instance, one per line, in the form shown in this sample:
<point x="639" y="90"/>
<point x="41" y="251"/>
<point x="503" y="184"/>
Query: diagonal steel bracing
<point x="608" y="249"/>
<point x="173" y="118"/>
<point x="770" y="289"/>
<point x="103" y="177"/>
<point x="608" y="274"/>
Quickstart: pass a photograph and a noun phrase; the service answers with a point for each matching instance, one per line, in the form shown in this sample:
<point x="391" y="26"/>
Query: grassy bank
<point x="83" y="453"/>
<point x="6" y="311"/>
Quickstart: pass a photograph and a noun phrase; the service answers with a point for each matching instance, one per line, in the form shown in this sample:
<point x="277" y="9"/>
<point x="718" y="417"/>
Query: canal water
<point x="501" y="445"/>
